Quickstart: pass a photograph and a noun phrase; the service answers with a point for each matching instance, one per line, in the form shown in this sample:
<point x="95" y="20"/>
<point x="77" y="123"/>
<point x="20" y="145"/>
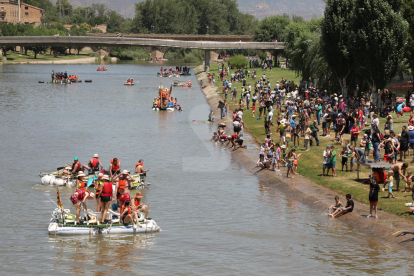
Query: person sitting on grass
<point x="348" y="208"/>
<point x="390" y="181"/>
<point x="373" y="197"/>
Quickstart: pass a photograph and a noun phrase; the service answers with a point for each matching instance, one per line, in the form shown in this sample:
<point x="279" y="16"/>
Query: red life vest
<point x="95" y="162"/>
<point x="79" y="166"/>
<point x="122" y="184"/>
<point x="115" y="167"/>
<point x="81" y="186"/>
<point x="107" y="189"/>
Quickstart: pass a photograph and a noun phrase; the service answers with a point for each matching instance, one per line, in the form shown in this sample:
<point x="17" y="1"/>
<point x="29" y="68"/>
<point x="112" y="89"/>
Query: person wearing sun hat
<point x="80" y="184"/>
<point x="98" y="184"/>
<point x="94" y="164"/>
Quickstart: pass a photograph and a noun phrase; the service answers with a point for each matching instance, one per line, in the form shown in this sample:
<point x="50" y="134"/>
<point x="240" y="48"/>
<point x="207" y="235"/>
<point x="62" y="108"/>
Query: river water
<point x="215" y="216"/>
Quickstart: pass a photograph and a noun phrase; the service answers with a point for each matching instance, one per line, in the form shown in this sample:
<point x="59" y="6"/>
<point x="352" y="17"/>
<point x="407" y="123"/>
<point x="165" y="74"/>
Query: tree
<point x="271" y="28"/>
<point x="408" y="13"/>
<point x="65" y="7"/>
<point x="337" y="37"/>
<point x="380" y="34"/>
<point x="238" y="61"/>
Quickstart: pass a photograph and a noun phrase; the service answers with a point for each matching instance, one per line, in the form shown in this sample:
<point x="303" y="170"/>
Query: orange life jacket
<point x="137" y="201"/>
<point x="122" y="184"/>
<point x="81" y="186"/>
<point x="115" y="167"/>
<point x="138" y="164"/>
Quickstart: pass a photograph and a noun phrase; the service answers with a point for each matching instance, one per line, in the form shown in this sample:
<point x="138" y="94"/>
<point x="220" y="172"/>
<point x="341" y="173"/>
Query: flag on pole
<point x="59" y="202"/>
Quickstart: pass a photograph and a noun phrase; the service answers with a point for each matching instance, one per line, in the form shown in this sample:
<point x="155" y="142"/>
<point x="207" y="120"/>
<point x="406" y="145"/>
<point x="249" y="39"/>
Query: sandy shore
<point x="388" y="227"/>
<point x="69" y="61"/>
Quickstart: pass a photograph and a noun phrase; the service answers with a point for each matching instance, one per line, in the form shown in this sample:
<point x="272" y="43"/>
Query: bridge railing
<point x="126" y="41"/>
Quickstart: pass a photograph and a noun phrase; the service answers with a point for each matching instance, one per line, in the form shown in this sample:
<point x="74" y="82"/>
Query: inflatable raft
<point x="63" y="223"/>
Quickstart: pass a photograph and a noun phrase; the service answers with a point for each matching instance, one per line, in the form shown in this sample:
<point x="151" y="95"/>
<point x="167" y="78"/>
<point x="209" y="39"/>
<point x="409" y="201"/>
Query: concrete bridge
<point x="186" y="37"/>
<point x="161" y="45"/>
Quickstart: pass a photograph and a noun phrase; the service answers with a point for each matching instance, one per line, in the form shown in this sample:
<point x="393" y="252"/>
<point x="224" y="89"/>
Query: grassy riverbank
<point x="310" y="163"/>
<point x="13" y="57"/>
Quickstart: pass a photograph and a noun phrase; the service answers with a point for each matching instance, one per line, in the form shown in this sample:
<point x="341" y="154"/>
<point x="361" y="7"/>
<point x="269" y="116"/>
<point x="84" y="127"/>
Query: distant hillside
<point x="259" y="8"/>
<point x="262" y="8"/>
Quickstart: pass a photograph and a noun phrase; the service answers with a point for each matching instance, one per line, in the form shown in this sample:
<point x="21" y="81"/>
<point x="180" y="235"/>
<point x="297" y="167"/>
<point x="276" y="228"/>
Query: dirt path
<point x="388" y="227"/>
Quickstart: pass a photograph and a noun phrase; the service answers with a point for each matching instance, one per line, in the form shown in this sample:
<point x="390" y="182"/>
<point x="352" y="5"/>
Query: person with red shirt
<point x="354" y="134"/>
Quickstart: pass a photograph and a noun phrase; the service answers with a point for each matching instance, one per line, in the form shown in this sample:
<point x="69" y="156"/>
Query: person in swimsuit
<point x="338" y="205"/>
<point x="78" y="199"/>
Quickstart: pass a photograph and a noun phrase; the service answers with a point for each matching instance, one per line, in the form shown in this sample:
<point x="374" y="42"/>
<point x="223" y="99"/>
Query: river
<point x="216" y="218"/>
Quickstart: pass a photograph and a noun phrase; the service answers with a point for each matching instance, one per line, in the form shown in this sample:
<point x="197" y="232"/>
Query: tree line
<point x="356" y="42"/>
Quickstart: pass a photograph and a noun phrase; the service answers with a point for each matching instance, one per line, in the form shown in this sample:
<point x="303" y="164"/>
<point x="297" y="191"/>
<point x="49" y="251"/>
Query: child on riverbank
<point x="390" y="181"/>
<point x="408" y="182"/>
<point x="338" y="206"/>
<point x="344" y="155"/>
<point x="253" y="110"/>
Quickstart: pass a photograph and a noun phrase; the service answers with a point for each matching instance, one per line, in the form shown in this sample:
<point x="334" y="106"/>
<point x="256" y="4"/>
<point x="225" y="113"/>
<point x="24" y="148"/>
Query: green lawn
<point x="310" y="163"/>
<point x="21" y="57"/>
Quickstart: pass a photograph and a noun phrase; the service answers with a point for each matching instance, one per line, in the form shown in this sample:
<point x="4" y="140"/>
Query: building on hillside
<point x="27" y="14"/>
<point x="9" y="11"/>
<point x="31" y="15"/>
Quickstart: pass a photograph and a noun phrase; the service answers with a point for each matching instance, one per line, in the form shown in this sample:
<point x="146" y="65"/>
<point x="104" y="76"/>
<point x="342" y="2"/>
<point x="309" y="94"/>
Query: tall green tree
<point x="380" y="34"/>
<point x="337" y="35"/>
<point x="408" y="13"/>
<point x="272" y="28"/>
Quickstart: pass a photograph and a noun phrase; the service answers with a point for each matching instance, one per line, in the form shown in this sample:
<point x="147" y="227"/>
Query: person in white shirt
<point x="374" y="121"/>
<point x="326" y="158"/>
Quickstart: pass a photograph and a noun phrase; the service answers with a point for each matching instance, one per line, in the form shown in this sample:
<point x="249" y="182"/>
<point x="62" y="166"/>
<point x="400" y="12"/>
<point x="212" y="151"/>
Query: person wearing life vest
<point x="98" y="184"/>
<point x="78" y="199"/>
<point x="122" y="183"/>
<point x="105" y="195"/>
<point x="128" y="215"/>
<point x="94" y="164"/>
<point x="115" y="167"/>
<point x="80" y="184"/>
<point x="132" y="80"/>
<point x="76" y="168"/>
<point x="137" y="206"/>
<point x="139" y="168"/>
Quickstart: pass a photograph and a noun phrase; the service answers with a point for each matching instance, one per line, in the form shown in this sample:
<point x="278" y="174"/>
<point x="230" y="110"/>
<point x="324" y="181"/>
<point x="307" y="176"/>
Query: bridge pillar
<point x="157" y="52"/>
<point x="102" y="52"/>
<point x="207" y="59"/>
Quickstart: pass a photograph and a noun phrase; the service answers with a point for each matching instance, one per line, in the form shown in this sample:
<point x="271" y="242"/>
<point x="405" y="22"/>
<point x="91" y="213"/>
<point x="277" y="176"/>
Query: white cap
<point x="96" y="155"/>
